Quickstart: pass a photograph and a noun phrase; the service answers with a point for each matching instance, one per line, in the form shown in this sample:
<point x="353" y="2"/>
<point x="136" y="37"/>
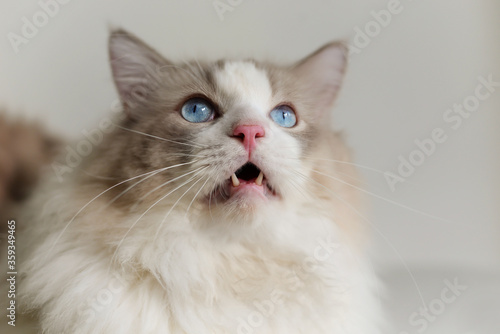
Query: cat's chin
<point x="246" y="194"/>
<point x="250" y="191"/>
<point x="243" y="203"/>
<point x="243" y="209"/>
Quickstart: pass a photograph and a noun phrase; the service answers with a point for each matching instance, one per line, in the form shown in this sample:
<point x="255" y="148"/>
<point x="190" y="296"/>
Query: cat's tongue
<point x="248" y="188"/>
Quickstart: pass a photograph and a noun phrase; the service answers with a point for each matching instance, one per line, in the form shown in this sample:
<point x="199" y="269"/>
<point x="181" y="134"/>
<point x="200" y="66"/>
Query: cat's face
<point x="234" y="135"/>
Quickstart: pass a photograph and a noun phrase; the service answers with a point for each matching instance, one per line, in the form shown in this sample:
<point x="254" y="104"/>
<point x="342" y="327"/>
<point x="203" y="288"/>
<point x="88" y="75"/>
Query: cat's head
<point x="232" y="137"/>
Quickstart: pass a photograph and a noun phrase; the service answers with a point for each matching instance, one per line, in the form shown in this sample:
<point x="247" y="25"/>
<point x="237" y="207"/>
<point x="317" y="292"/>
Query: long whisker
<point x="210" y="206"/>
<point x="144" y="213"/>
<point x="374" y="227"/>
<point x="350" y="177"/>
<point x="359" y="181"/>
<point x="99" y="195"/>
<point x="168" y="182"/>
<point x="297" y="186"/>
<point x="173" y="206"/>
<point x="195" y="143"/>
<point x="352" y="164"/>
<point x="382" y="198"/>
<point x="169" y="155"/>
<point x="140" y="181"/>
<point x="191" y="203"/>
<point x="160" y="138"/>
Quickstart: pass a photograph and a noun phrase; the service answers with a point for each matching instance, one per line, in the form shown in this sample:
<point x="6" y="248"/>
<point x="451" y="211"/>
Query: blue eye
<point x="197" y="110"/>
<point x="284" y="116"/>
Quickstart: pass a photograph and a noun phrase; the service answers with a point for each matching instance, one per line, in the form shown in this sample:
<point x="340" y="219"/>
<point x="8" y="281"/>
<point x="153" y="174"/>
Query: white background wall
<point x="397" y="90"/>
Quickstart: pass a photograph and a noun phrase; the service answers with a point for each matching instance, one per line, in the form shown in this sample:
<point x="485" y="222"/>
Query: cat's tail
<point x="25" y="148"/>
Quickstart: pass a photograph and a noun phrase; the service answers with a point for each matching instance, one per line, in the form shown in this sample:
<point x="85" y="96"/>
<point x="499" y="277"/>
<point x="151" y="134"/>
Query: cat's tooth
<point x="235" y="180"/>
<point x="259" y="179"/>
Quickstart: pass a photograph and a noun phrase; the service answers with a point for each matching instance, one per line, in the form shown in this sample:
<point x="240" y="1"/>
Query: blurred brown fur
<point x="25" y="148"/>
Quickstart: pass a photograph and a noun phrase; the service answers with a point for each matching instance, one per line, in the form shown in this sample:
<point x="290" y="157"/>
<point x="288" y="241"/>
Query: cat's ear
<point x="136" y="69"/>
<point x="323" y="72"/>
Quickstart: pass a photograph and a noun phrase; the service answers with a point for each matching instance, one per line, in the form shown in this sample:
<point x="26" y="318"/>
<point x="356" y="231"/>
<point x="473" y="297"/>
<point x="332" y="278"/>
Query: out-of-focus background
<point x="420" y="108"/>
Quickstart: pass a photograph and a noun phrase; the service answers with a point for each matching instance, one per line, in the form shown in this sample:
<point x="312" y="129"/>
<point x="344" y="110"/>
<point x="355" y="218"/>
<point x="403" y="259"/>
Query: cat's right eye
<point x="284" y="116"/>
<point x="197" y="110"/>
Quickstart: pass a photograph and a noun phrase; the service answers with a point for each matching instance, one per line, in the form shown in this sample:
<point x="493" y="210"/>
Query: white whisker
<point x="167" y="182"/>
<point x="140" y="181"/>
<point x="210" y="207"/>
<point x="173" y="206"/>
<point x="382" y="198"/>
<point x="352" y="164"/>
<point x="160" y="138"/>
<point x="191" y="203"/>
<point x="99" y="195"/>
<point x="144" y="213"/>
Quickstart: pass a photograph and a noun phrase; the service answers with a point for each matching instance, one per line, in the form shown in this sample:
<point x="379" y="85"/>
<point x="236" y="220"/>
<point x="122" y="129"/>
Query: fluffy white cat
<point x="221" y="203"/>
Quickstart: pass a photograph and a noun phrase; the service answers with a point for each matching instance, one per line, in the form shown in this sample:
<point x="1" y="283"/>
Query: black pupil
<point x="248" y="172"/>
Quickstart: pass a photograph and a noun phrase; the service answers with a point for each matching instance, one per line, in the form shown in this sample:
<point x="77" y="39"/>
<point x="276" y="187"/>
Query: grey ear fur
<point x="323" y="71"/>
<point x="136" y="69"/>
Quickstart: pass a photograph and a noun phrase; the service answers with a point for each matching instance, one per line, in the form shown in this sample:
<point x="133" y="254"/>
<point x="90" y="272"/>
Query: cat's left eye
<point x="284" y="116"/>
<point x="197" y="110"/>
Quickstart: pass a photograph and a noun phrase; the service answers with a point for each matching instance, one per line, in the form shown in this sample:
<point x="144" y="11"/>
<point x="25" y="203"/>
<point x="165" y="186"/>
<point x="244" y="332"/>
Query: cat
<point x="221" y="202"/>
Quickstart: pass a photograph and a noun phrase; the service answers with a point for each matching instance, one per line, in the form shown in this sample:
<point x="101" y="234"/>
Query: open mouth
<point x="250" y="180"/>
<point x="248" y="184"/>
<point x="247" y="173"/>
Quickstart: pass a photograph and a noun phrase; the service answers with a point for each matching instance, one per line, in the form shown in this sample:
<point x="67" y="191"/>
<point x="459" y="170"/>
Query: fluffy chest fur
<point x="292" y="278"/>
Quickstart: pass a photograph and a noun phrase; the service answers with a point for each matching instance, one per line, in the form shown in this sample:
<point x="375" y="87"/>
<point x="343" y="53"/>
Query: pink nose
<point x="248" y="134"/>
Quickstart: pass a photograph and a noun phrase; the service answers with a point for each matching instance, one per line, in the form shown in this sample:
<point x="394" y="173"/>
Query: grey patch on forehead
<point x="287" y="87"/>
<point x="209" y="77"/>
<point x="206" y="73"/>
<point x="201" y="71"/>
<point x="279" y="79"/>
